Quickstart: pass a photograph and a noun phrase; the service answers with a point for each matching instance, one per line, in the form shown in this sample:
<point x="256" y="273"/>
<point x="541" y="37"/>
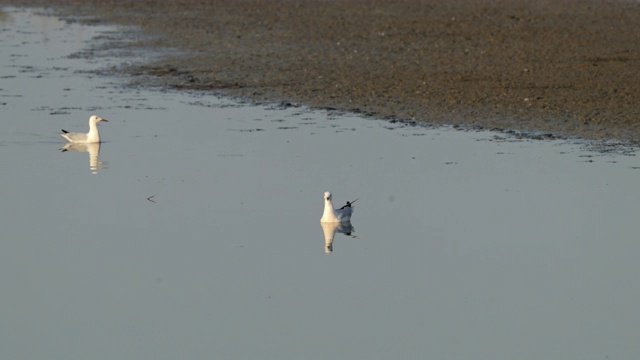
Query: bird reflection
<point x="94" y="154"/>
<point x="330" y="230"/>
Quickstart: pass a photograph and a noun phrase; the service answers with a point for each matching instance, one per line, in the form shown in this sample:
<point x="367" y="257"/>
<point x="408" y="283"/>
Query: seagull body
<point x="85" y="138"/>
<point x="332" y="215"/>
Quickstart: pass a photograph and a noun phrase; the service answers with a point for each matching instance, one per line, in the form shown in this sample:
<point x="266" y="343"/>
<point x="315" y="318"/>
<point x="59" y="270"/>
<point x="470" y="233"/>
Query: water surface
<point x="193" y="230"/>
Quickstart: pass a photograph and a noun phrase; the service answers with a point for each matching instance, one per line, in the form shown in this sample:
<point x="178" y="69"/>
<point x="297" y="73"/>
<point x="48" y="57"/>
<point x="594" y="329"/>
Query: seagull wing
<point x="74" y="137"/>
<point x="349" y="204"/>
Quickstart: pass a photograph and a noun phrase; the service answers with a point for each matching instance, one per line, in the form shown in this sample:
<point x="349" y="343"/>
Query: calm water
<point x="193" y="230"/>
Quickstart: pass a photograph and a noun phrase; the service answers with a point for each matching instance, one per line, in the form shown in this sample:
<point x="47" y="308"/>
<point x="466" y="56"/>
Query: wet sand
<point x="569" y="68"/>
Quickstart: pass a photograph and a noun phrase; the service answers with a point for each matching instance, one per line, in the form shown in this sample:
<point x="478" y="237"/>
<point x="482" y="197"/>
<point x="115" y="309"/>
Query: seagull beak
<point x="105" y="120"/>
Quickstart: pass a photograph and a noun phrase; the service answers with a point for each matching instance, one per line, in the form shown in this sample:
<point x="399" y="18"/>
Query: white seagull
<point x="89" y="138"/>
<point x="332" y="215"/>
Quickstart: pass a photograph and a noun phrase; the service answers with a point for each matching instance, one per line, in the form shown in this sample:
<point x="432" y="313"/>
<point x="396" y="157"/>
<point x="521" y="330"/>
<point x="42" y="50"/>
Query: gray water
<point x="193" y="230"/>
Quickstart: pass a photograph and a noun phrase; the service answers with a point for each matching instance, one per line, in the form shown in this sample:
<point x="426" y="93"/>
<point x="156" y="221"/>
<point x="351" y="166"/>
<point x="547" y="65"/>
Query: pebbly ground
<point x="567" y="67"/>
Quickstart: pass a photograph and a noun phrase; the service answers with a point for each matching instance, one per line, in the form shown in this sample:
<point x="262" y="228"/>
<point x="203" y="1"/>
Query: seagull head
<point x="96" y="119"/>
<point x="327" y="196"/>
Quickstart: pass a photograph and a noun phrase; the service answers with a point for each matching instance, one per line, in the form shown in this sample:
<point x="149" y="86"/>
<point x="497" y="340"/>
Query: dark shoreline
<point x="570" y="68"/>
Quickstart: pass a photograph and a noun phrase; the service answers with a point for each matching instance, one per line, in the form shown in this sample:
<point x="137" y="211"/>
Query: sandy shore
<point x="563" y="67"/>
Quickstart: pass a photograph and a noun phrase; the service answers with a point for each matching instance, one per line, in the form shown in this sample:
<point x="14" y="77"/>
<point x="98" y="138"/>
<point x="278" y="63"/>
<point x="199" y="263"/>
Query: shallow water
<point x="194" y="231"/>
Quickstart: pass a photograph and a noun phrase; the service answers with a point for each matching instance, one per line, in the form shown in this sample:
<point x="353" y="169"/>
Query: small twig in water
<point x="149" y="198"/>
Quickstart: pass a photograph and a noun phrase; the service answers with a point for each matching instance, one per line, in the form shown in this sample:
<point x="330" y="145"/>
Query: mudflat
<point x="567" y="67"/>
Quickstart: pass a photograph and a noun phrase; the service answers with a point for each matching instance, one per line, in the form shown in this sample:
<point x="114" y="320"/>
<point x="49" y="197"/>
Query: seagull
<point x="89" y="138"/>
<point x="332" y="215"/>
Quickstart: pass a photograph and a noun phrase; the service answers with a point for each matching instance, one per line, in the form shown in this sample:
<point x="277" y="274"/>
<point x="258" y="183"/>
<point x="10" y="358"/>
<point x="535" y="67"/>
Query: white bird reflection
<point x="330" y="230"/>
<point x="94" y="154"/>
